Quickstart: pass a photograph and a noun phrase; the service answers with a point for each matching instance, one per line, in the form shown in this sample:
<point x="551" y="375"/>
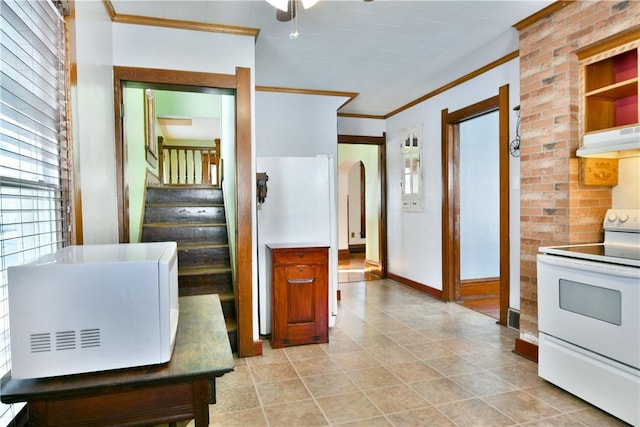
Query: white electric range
<point x="588" y="317"/>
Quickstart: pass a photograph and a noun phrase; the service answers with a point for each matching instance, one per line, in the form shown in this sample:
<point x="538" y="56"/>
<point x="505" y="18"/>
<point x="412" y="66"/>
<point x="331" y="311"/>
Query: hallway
<point x="398" y="357"/>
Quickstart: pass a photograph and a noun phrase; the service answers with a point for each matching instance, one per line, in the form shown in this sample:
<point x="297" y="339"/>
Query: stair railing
<point x="182" y="164"/>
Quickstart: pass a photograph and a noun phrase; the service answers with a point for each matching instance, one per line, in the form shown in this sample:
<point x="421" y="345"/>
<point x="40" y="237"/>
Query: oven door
<point x="592" y="305"/>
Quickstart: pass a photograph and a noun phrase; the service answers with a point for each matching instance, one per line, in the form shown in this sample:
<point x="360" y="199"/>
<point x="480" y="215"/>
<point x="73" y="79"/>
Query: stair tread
<point x="226" y="296"/>
<point x="231" y="324"/>
<point x="185" y="205"/>
<point x="207" y="269"/>
<point x="201" y="245"/>
<point x="184" y="224"/>
<point x="183" y="186"/>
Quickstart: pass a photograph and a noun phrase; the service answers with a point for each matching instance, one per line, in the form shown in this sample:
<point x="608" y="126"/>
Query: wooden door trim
<point x="241" y="83"/>
<point x="450" y="222"/>
<point x="381" y="142"/>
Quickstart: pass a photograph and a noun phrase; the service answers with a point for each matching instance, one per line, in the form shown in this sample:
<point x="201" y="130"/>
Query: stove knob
<point x="624" y="217"/>
<point x="612" y="217"/>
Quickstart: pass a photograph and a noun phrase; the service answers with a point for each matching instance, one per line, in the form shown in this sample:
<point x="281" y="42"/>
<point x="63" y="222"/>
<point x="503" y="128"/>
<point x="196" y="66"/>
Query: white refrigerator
<point x="300" y="207"/>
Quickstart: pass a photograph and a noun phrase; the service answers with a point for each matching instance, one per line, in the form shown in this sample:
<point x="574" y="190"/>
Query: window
<point x="34" y="172"/>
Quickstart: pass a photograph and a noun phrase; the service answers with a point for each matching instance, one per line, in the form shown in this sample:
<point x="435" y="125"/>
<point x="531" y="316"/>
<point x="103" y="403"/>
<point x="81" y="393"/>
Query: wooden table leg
<point x="201" y="400"/>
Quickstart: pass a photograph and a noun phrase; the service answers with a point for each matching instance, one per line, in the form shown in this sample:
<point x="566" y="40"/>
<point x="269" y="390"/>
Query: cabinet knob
<point x="300" y="254"/>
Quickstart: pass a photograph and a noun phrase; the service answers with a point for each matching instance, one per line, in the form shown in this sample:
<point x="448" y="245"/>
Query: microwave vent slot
<point x="65" y="340"/>
<point x="90" y="338"/>
<point x="40" y="343"/>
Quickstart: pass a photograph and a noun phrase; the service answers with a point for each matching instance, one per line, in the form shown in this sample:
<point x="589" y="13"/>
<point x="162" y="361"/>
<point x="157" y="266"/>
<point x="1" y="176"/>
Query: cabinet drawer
<point x="300" y="256"/>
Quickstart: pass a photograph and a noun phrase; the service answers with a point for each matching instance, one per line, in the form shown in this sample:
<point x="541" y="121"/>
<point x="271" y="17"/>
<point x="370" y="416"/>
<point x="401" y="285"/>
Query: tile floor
<point x="397" y="357"/>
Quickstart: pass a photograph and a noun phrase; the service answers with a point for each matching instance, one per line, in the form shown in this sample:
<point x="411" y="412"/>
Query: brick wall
<point x="555" y="207"/>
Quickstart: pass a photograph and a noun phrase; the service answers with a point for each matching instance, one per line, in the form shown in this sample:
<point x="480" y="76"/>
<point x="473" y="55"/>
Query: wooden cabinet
<point x="609" y="85"/>
<point x="300" y="297"/>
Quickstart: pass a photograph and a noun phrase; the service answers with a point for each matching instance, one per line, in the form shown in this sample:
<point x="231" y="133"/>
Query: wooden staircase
<point x="193" y="216"/>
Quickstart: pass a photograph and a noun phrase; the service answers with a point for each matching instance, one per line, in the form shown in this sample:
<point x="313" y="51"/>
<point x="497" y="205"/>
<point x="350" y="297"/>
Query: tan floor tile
<point x="373" y="377"/>
<point x="354" y="360"/>
<point x="269" y="355"/>
<point x="277" y="392"/>
<point x="302" y="413"/>
<point x="235" y="399"/>
<point x="563" y="420"/>
<point x="348" y="407"/>
<point x="412" y="372"/>
<point x="330" y="384"/>
<point x="240" y="377"/>
<point x="460" y="346"/>
<point x="304" y="351"/>
<point x="396" y="398"/>
<point x="594" y="417"/>
<point x="557" y="398"/>
<point x="389" y="355"/>
<point x="342" y="345"/>
<point x="482" y="383"/>
<point x="520" y="406"/>
<point x="474" y="412"/>
<point x="452" y="365"/>
<point x="423" y="417"/>
<point x="251" y="417"/>
<point x="375" y="340"/>
<point x="441" y="391"/>
<point x="521" y="375"/>
<point x="492" y="358"/>
<point x="408" y="337"/>
<point x="315" y="366"/>
<point x="428" y="350"/>
<point x="263" y="373"/>
<point x="369" y="422"/>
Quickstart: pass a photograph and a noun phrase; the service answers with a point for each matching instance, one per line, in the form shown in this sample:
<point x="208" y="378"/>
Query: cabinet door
<point x="300" y="305"/>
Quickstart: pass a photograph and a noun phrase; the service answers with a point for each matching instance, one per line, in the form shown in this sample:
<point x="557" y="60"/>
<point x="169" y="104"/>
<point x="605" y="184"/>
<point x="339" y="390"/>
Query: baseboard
<point x="357" y="249"/>
<point x="257" y="348"/>
<point x="526" y="349"/>
<point x="343" y="254"/>
<point x="436" y="293"/>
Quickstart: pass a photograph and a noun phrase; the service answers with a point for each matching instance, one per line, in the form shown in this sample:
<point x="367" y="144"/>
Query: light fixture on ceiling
<point x="283" y="5"/>
<point x="287" y="10"/>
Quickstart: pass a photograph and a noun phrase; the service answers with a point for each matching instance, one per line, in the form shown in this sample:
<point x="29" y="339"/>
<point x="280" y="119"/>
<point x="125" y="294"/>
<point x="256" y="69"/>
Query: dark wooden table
<point x="180" y="389"/>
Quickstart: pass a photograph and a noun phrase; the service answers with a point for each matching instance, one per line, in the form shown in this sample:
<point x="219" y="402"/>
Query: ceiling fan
<point x="287" y="9"/>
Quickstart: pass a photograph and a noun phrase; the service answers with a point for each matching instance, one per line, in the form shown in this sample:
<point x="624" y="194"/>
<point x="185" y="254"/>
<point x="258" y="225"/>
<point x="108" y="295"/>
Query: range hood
<point x="612" y="144"/>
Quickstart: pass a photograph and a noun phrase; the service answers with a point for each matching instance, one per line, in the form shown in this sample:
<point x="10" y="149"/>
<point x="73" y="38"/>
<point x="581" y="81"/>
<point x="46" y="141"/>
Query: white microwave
<point x="93" y="308"/>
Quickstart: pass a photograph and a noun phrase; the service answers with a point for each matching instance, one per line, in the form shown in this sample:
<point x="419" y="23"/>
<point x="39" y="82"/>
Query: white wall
<point x="414" y="238"/>
<point x="93" y="123"/>
<point x="362" y="127"/>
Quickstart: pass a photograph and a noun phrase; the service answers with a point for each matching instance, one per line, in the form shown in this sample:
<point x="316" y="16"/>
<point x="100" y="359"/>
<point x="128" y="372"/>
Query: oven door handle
<point x="593" y="266"/>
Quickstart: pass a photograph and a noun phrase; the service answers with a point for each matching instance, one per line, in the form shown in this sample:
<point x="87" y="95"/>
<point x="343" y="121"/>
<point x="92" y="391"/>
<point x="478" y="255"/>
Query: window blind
<point x="34" y="167"/>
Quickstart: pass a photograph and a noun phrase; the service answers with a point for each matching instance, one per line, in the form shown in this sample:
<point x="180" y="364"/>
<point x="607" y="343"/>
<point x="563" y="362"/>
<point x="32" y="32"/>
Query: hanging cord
<point x="514" y="146"/>
<point x="294" y="20"/>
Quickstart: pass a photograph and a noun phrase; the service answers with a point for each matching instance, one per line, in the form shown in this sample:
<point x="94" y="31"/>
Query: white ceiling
<point x="391" y="52"/>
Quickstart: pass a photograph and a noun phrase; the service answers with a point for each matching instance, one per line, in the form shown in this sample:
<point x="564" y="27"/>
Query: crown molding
<point x="508" y="57"/>
<point x="541" y="14"/>
<point x="362" y="116"/>
<point x="179" y="24"/>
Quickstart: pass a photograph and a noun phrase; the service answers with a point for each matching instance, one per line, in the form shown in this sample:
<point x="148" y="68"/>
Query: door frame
<point x="241" y="83"/>
<point x="381" y="142"/>
<point x="450" y="189"/>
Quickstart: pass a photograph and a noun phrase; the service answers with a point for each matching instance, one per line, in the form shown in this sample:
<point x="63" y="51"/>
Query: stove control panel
<point x="622" y="220"/>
